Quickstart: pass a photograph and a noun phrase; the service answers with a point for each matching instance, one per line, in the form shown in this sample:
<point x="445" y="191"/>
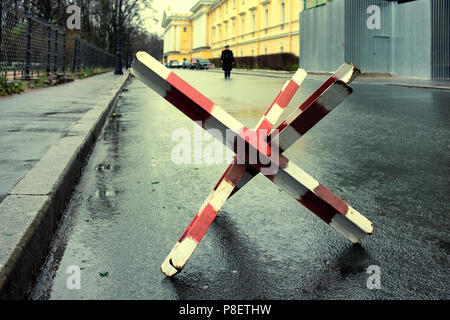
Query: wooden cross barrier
<point x="266" y="143"/>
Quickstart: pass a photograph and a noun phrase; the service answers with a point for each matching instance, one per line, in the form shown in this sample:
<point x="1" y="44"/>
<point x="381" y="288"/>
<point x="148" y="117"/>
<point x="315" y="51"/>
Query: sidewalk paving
<point x="30" y="123"/>
<point x="45" y="138"/>
<point x="442" y="84"/>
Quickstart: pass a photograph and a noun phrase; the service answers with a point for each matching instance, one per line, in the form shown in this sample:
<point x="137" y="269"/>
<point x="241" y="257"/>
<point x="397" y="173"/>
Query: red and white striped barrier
<point x="195" y="231"/>
<point x="302" y="187"/>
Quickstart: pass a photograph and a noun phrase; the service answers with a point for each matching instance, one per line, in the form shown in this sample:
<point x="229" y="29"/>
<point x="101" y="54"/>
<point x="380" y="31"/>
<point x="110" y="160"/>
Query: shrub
<point x="9" y="86"/>
<point x="277" y="61"/>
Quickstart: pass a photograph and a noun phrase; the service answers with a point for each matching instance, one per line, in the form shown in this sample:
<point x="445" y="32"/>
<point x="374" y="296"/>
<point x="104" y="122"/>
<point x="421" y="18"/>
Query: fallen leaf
<point x="103" y="274"/>
<point x="155" y="182"/>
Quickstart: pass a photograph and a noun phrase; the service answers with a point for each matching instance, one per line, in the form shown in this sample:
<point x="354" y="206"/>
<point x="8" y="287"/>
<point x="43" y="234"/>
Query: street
<point x="385" y="151"/>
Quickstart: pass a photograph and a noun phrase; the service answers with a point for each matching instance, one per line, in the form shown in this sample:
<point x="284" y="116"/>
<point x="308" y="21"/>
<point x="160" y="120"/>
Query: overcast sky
<point x="178" y="6"/>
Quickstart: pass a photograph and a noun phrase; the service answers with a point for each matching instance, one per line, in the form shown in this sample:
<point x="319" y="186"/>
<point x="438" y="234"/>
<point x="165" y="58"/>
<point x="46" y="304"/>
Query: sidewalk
<point x="45" y="137"/>
<point x="442" y="84"/>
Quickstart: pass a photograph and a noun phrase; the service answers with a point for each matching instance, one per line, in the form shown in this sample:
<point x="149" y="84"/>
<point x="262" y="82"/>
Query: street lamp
<point x="119" y="50"/>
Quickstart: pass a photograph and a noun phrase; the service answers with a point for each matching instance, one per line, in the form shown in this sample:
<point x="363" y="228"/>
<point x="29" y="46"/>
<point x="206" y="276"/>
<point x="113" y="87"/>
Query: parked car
<point x="186" y="64"/>
<point x="194" y="63"/>
<point x="175" y="64"/>
<point x="197" y="63"/>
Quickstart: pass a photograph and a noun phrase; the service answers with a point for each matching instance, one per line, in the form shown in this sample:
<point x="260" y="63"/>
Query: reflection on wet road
<point x="385" y="151"/>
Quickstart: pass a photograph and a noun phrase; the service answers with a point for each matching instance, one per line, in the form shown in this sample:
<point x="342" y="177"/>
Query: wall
<point x="337" y="32"/>
<point x="322" y="37"/>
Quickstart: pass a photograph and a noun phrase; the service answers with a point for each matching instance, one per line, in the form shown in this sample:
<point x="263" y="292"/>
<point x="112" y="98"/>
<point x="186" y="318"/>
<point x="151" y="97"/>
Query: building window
<point x="242" y="53"/>
<point x="254" y="22"/>
<point x="265" y="50"/>
<point x="281" y="49"/>
<point x="283" y="15"/>
<point x="226" y="7"/>
<point x="184" y="29"/>
<point x="234" y="28"/>
<point x="234" y="4"/>
<point x="243" y="26"/>
<point x="253" y="52"/>
<point x="267" y="19"/>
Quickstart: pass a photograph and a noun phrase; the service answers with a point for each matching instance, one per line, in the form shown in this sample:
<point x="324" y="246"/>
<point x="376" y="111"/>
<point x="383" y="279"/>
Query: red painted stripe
<point x="340" y="205"/>
<point x="265" y="125"/>
<point x="188" y="228"/>
<point x="202" y="224"/>
<point x="287" y="94"/>
<point x="319" y="207"/>
<point x="309" y="118"/>
<point x="235" y="174"/>
<point x="282" y="125"/>
<point x="190" y="92"/>
<point x="186" y="105"/>
<point x="318" y="93"/>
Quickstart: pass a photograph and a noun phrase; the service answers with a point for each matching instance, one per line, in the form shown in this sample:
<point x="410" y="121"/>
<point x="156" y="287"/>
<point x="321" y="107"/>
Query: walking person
<point x="227" y="60"/>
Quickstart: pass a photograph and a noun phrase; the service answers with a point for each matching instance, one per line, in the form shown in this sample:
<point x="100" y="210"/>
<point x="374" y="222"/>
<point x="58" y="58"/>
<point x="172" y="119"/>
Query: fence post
<point x="64" y="52"/>
<point x="1" y="23"/>
<point x="74" y="60"/>
<point x="28" y="52"/>
<point x="55" y="66"/>
<point x="49" y="47"/>
<point x="79" y="55"/>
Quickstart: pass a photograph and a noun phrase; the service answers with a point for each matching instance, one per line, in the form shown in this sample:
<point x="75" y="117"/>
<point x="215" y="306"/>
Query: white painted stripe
<point x="152" y="79"/>
<point x="274" y="113"/>
<point x="289" y="184"/>
<point x="345" y="72"/>
<point x="287" y="137"/>
<point x="184" y="251"/>
<point x="301" y="176"/>
<point x="229" y="121"/>
<point x="357" y="218"/>
<point x="153" y="64"/>
<point x="299" y="76"/>
<point x="166" y="267"/>
<point x="347" y="228"/>
<point x="221" y="193"/>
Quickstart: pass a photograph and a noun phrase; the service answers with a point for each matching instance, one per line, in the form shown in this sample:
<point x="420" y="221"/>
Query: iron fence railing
<point x="30" y="47"/>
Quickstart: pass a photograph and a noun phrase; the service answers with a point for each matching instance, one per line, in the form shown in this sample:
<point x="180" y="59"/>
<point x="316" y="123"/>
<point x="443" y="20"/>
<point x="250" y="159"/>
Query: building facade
<point x="249" y="27"/>
<point x="400" y="38"/>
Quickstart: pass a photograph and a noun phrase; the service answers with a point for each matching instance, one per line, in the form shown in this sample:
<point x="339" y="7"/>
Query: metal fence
<point x="30" y="47"/>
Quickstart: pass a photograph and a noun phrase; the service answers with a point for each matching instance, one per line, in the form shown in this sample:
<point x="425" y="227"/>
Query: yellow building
<point x="249" y="27"/>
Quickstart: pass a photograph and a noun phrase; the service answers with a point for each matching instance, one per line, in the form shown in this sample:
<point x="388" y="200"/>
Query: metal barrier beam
<point x="302" y="187"/>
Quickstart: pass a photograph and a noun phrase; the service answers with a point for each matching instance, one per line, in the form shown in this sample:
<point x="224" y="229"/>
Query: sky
<point x="178" y="6"/>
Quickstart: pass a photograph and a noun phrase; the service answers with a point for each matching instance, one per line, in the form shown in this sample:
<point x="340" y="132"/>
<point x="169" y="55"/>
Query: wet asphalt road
<point x="385" y="151"/>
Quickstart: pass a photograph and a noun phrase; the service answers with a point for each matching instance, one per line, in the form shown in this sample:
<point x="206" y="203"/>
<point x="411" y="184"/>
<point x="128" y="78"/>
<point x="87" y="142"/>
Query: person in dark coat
<point x="227" y="60"/>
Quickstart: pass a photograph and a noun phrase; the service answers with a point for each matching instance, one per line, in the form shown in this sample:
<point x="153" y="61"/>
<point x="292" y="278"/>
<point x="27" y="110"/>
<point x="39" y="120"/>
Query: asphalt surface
<point x="385" y="150"/>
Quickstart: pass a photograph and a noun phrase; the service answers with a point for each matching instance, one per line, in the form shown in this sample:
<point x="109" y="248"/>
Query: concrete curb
<point x="31" y="211"/>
